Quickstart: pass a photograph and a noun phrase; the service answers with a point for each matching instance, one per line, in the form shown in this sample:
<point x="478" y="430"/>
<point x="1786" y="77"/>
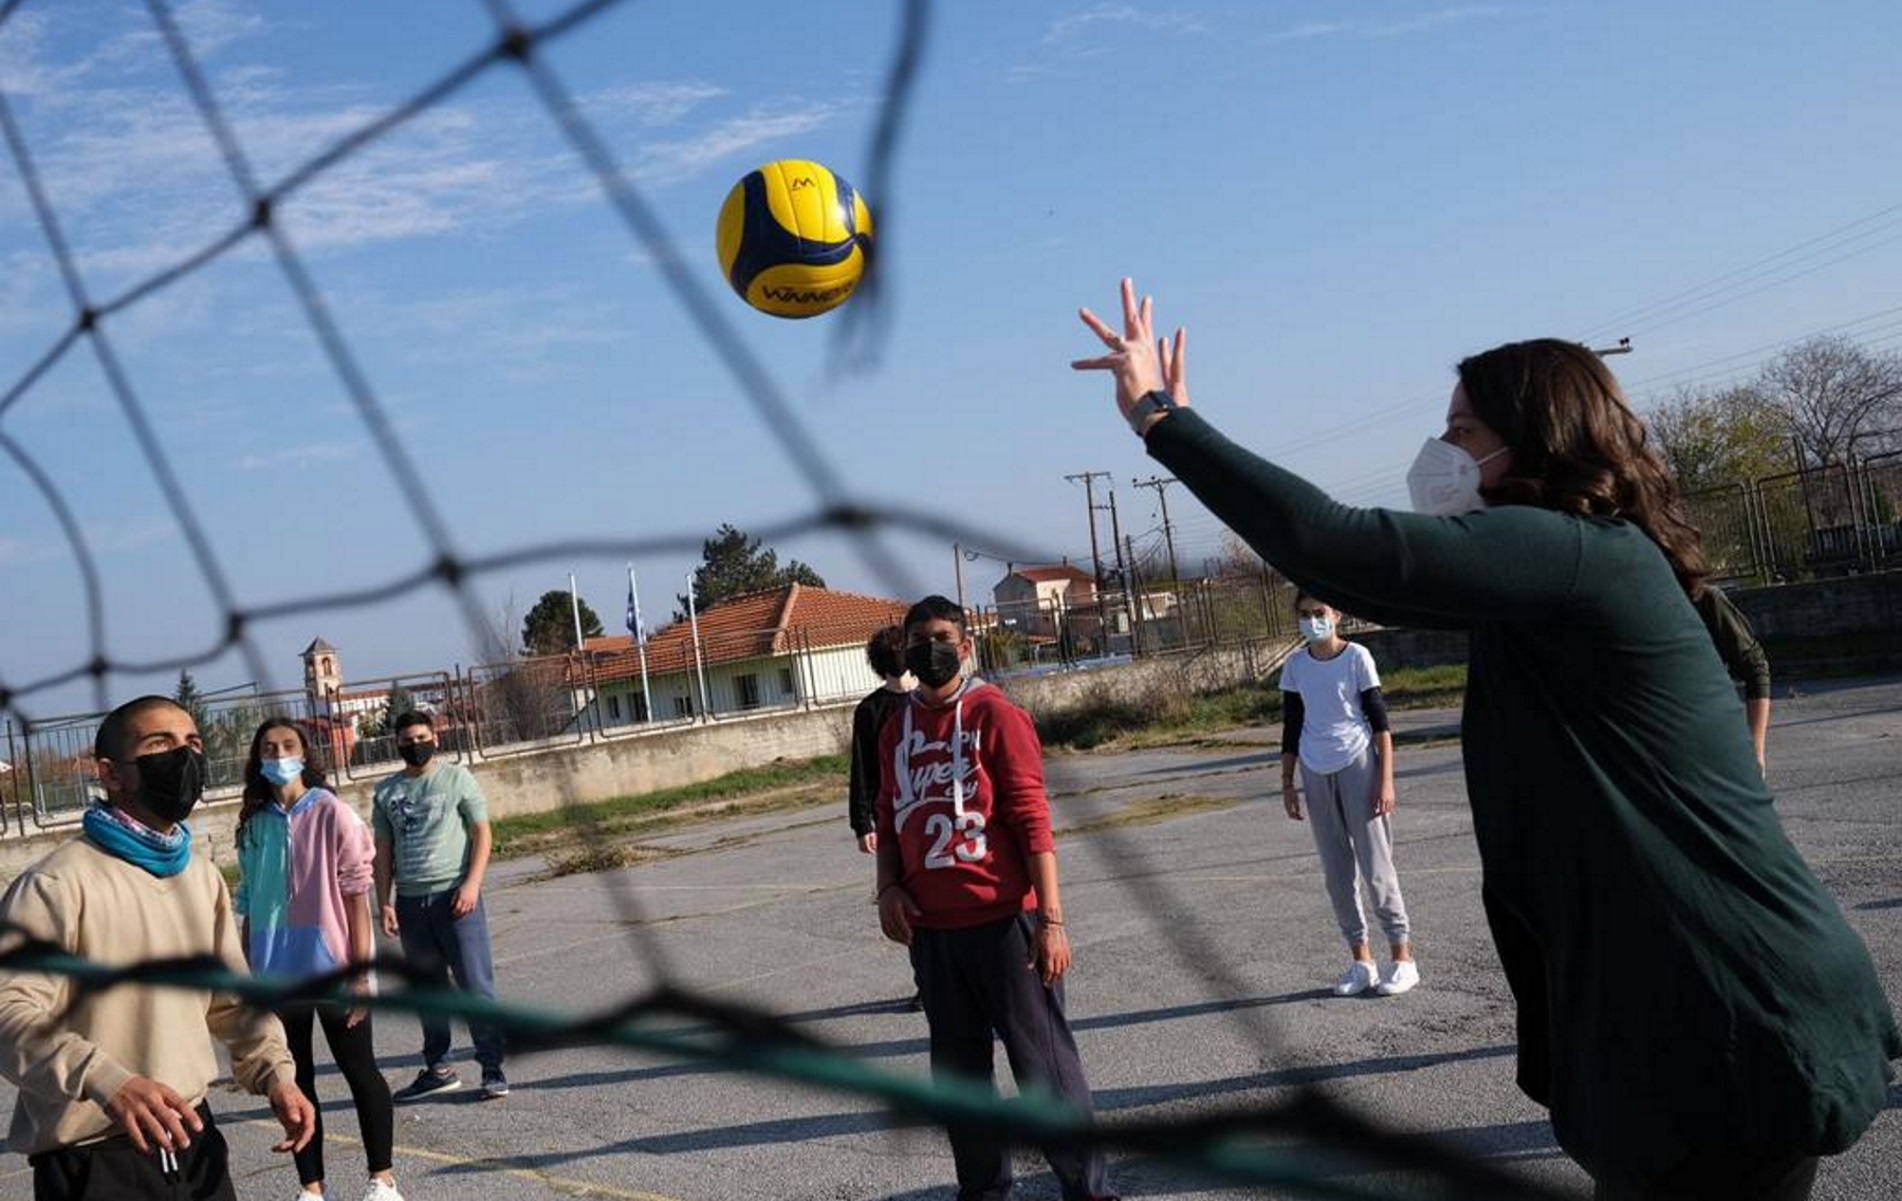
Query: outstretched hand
<point x="1141" y="362"/>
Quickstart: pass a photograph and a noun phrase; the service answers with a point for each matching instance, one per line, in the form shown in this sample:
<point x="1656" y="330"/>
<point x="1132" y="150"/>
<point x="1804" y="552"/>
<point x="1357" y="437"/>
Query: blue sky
<point x="1339" y="199"/>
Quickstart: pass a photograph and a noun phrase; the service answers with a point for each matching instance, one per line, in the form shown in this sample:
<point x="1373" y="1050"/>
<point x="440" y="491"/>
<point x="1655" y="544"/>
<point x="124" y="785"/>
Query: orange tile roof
<point x="754" y="626"/>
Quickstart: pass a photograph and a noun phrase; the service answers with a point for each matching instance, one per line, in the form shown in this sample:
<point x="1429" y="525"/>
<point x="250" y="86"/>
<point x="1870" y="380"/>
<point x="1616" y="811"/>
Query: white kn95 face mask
<point x="1444" y="480"/>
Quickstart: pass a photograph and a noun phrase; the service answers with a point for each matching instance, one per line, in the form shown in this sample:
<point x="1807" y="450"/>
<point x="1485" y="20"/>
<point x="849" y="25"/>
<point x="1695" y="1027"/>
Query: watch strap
<point x="1150" y="404"/>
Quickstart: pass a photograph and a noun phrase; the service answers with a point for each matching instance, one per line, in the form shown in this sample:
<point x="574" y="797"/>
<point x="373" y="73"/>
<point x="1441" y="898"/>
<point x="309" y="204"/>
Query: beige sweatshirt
<point x="68" y="1064"/>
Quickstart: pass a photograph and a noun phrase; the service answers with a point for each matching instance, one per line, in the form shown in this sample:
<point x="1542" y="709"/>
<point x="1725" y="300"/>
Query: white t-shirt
<point x="1334" y="730"/>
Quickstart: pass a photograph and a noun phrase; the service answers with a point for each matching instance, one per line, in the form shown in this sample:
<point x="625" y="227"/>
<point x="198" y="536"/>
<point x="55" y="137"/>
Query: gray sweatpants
<point x="1354" y="844"/>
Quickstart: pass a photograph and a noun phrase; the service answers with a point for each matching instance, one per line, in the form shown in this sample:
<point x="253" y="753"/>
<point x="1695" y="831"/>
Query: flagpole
<point x="579" y="663"/>
<point x="574" y="605"/>
<point x="699" y="668"/>
<point x="638" y="628"/>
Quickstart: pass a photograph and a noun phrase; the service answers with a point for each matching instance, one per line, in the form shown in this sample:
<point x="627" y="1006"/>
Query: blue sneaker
<point x="428" y="1083"/>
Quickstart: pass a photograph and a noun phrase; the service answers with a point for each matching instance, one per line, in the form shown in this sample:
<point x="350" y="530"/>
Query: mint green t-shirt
<point x="426" y="821"/>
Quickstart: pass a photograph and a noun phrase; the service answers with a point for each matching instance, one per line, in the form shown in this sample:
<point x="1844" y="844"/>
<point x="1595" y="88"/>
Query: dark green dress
<point x="1685" y="984"/>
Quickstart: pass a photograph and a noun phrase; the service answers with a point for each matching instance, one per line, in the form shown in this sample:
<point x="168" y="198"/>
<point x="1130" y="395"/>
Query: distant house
<point x="765" y="650"/>
<point x="1034" y="600"/>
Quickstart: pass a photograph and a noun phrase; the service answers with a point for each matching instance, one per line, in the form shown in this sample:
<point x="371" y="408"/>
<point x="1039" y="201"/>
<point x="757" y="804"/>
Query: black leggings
<point x="351" y="1047"/>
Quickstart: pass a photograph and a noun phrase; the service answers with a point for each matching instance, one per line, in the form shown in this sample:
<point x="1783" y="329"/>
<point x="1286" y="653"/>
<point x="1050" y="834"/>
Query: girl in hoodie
<point x="306" y="862"/>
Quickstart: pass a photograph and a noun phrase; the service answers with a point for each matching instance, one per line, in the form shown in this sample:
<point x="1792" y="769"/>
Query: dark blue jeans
<point x="440" y="946"/>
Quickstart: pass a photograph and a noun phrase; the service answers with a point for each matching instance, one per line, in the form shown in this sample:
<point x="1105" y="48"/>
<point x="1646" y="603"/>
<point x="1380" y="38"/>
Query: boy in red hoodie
<point x="967" y="878"/>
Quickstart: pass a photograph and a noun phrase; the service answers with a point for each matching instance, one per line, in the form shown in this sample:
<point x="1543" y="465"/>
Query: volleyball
<point x="793" y="238"/>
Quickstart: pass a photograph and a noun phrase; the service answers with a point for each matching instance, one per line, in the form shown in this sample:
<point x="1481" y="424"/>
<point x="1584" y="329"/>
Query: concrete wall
<point x="1198" y="671"/>
<point x="1851" y="604"/>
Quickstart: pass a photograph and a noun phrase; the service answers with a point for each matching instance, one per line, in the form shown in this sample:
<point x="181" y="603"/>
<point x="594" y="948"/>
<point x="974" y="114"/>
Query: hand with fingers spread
<point x="153" y="1114"/>
<point x="1141" y="362"/>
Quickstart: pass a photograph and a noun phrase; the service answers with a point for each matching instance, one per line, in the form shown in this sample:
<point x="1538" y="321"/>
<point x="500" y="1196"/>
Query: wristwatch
<point x="1151" y="403"/>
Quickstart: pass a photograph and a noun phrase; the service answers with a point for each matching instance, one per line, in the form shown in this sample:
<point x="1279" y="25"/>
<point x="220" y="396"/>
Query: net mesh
<point x="1267" y="1144"/>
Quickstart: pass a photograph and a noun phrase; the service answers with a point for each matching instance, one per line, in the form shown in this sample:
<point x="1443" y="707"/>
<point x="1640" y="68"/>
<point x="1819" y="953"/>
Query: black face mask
<point x="934" y="663"/>
<point x="417" y="753"/>
<point x="171" y="782"/>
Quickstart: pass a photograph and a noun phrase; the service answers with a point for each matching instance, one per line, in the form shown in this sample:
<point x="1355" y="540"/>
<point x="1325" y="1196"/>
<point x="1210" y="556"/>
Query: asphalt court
<point x="1204" y="945"/>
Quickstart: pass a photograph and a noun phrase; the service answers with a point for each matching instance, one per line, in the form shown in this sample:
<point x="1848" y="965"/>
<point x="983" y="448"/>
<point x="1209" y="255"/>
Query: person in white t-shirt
<point x="1334" y="725"/>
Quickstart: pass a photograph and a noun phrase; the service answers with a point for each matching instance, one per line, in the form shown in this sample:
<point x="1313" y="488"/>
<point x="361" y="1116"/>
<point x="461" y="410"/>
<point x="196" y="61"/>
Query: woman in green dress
<point x="1692" y="1007"/>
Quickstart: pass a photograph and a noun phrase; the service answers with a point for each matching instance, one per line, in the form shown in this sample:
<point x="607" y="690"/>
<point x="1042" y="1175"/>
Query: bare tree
<point x="1831" y="393"/>
<point x="1236" y="559"/>
<point x="1710" y="439"/>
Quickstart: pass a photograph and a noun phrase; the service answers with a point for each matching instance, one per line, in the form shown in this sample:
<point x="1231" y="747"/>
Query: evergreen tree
<point x="192" y="701"/>
<point x="549" y="628"/>
<point x="397" y="703"/>
<point x="733" y="564"/>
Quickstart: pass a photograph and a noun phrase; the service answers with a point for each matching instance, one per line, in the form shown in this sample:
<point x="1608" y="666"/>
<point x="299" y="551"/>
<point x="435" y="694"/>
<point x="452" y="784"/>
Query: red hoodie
<point x="962" y="796"/>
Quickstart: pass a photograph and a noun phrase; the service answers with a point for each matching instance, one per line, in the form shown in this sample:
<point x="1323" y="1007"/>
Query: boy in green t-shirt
<point x="432" y="844"/>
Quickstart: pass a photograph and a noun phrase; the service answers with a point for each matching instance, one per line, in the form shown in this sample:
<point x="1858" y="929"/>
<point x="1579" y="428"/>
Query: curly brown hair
<point x="1576" y="445"/>
<point x="258" y="791"/>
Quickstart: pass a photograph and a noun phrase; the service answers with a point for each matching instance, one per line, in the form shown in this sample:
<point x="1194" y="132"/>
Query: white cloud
<point x="651" y="103"/>
<point x="314" y="454"/>
<point x="1307" y="30"/>
<point x="670" y="162"/>
<point x="211" y="25"/>
<point x="1387" y="29"/>
<point x="1064" y="29"/>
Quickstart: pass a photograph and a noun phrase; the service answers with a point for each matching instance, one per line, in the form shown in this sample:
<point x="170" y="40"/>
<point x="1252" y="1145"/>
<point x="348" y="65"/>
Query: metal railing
<point x="1802" y="525"/>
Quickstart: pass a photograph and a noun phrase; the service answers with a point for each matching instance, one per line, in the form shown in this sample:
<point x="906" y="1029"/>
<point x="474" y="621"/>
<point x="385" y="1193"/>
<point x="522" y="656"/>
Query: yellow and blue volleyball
<point x="794" y="238"/>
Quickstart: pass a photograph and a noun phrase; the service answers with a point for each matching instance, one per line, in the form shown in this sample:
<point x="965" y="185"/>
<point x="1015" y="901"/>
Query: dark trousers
<point x="979" y="984"/>
<point x="439" y="946"/>
<point x="351" y="1047"/>
<point x="1726" y="1177"/>
<point x="113" y="1170"/>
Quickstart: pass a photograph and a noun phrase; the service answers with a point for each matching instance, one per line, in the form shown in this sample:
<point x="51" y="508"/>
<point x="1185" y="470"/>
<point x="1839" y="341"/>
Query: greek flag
<point x="634" y="625"/>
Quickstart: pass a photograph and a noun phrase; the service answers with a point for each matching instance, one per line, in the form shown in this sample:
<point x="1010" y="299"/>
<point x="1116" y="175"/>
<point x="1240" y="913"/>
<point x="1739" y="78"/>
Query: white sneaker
<point x="1401" y="975"/>
<point x="379" y="1191"/>
<point x="1358" y="978"/>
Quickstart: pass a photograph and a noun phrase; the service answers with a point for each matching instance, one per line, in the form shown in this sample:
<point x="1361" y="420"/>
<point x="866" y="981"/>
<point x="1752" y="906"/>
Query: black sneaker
<point x="428" y="1083"/>
<point x="494" y="1086"/>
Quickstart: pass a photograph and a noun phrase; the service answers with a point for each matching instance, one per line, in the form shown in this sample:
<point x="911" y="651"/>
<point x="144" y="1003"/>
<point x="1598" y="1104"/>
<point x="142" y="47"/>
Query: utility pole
<point x="1168" y="534"/>
<point x="1123" y="567"/>
<point x="957" y="565"/>
<point x="1089" y="479"/>
<point x="1130" y="583"/>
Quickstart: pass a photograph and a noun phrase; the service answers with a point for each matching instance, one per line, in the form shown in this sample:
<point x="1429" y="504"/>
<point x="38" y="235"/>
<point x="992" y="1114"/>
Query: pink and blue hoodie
<point x="301" y="872"/>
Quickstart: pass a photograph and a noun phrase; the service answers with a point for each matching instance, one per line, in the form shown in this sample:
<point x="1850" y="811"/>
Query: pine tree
<point x="733" y="564"/>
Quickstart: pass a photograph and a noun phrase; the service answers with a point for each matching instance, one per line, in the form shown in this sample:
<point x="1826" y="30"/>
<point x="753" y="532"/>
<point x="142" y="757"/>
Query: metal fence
<point x="485" y="711"/>
<point x="1167" y="618"/>
<point x="1802" y="525"/>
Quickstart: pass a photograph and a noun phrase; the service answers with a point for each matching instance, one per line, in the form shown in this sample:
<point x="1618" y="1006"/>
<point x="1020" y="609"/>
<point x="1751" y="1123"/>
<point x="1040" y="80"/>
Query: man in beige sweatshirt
<point x="112" y="1084"/>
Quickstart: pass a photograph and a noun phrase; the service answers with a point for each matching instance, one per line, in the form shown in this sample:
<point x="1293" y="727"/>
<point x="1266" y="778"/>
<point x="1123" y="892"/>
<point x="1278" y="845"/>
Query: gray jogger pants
<point x="1355" y="845"/>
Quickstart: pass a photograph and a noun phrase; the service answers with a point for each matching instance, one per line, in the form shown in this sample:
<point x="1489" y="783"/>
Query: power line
<point x="1712" y="286"/>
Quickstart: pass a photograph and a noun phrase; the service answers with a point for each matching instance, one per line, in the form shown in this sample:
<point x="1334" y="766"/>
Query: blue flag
<point x="634" y="623"/>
